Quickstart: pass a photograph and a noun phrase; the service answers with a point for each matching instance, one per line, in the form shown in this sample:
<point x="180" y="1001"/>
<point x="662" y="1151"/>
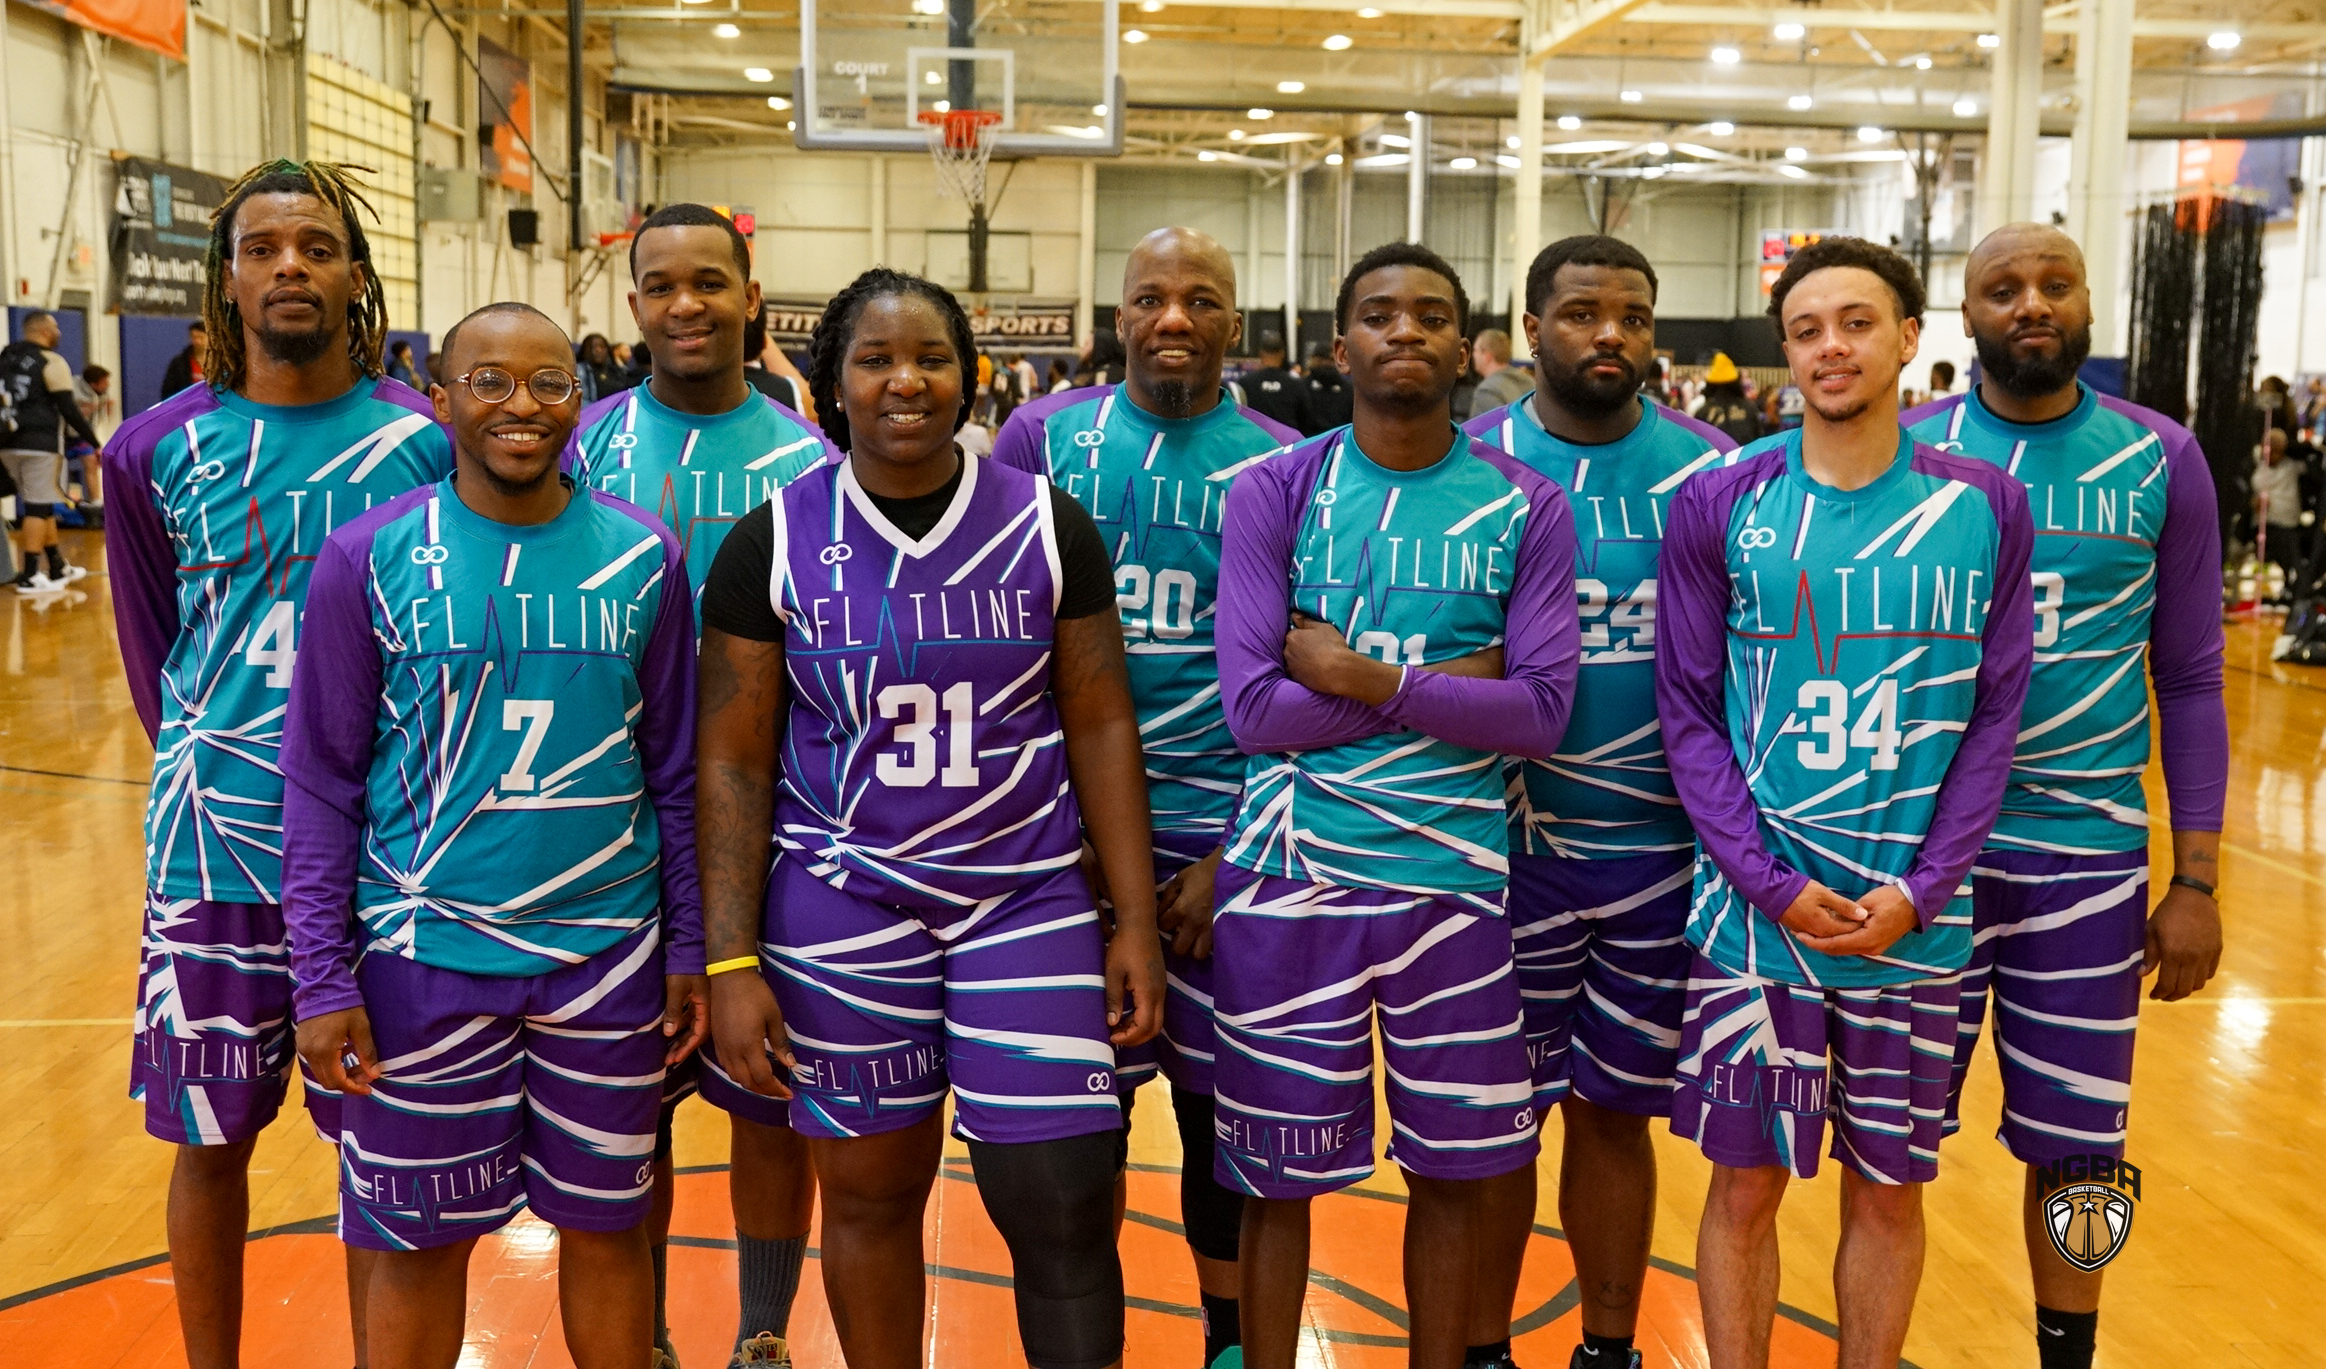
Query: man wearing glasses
<point x="491" y="745"/>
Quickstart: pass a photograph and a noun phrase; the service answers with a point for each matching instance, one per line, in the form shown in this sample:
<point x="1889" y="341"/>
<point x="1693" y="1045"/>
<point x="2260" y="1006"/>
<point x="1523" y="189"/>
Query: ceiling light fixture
<point x="1659" y="149"/>
<point x="1922" y="64"/>
<point x="929" y="7"/>
<point x="1508" y="161"/>
<point x="1966" y="109"/>
<point x="1134" y="35"/>
<point x="2224" y="41"/>
<point x="1151" y="6"/>
<point x="1332" y="159"/>
<point x="1339" y="42"/>
<point x="1207" y="155"/>
<point x="1395" y="140"/>
<point x="758" y="74"/>
<point x="728" y="31"/>
<point x="1235" y="135"/>
<point x="1368" y="13"/>
<point x="1464" y="164"/>
<point x="1789" y="32"/>
<point x="1722" y="128"/>
<point x="943" y="106"/>
<point x="1631" y="97"/>
<point x="932" y="77"/>
<point x="1290" y="87"/>
<point x="1871" y="134"/>
<point x="1727" y="57"/>
<point x="778" y="102"/>
<point x="1797" y="173"/>
<point x="1568" y="123"/>
<point x="1798" y="103"/>
<point x="1990" y="41"/>
<point x="1796" y="154"/>
<point x="1259" y="113"/>
<point x="1099" y="110"/>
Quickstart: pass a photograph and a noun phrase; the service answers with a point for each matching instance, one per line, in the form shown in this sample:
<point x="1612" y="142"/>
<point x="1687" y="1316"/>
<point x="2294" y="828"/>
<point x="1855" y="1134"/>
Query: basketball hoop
<point x="961" y="143"/>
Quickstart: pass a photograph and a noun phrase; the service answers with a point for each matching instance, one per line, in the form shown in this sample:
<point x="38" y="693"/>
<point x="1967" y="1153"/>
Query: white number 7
<point x="533" y="716"/>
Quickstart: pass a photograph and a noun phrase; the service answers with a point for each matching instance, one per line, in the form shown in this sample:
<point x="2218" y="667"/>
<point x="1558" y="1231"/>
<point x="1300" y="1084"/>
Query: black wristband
<point x="2197" y="884"/>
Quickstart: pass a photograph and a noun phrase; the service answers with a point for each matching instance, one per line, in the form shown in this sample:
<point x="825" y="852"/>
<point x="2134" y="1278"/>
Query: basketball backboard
<point x="869" y="69"/>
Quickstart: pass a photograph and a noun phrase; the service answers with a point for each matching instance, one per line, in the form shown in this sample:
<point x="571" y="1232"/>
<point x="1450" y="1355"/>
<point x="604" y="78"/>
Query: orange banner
<point x="158" y="25"/>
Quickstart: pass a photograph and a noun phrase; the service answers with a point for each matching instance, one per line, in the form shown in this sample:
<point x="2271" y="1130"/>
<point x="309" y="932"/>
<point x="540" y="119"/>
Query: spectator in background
<point x="186" y="367"/>
<point x="1724" y="403"/>
<point x="622" y="356"/>
<point x="1330" y="400"/>
<point x="2314" y="406"/>
<point x="1941" y="381"/>
<point x="401" y="366"/>
<point x="641" y="364"/>
<point x="1102" y="361"/>
<point x="1029" y="380"/>
<point x="1789" y="405"/>
<point x="595" y="367"/>
<point x="1061" y="376"/>
<point x="2276" y="401"/>
<point x="1275" y="390"/>
<point x="1499" y="381"/>
<point x="2277" y="503"/>
<point x="84" y="486"/>
<point x="40" y="384"/>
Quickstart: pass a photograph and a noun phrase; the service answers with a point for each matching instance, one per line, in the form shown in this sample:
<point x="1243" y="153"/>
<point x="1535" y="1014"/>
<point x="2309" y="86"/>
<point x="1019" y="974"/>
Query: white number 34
<point x="1831" y="737"/>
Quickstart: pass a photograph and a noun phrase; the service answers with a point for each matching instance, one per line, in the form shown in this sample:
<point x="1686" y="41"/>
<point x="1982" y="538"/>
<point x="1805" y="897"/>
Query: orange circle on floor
<point x="295" y="1313"/>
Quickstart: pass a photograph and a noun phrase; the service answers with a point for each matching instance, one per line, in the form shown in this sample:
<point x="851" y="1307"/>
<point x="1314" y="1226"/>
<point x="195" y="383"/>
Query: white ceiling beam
<point x="1560" y="22"/>
<point x="1732" y="17"/>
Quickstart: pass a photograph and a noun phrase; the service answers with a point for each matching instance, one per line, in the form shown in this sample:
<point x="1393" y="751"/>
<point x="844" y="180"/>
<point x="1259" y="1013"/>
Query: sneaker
<point x="72" y="573"/>
<point x="1583" y="1361"/>
<point x="766" y="1350"/>
<point x="33" y="582"/>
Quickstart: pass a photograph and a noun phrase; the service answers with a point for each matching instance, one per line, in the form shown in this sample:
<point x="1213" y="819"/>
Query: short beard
<point x="295" y="349"/>
<point x="1579" y="394"/>
<point x="1173" y="398"/>
<point x="1845" y="414"/>
<point x="2036" y="377"/>
<point x="515" y="489"/>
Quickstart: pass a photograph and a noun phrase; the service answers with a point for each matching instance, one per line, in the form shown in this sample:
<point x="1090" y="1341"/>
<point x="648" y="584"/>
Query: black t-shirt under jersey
<point x="735" y="593"/>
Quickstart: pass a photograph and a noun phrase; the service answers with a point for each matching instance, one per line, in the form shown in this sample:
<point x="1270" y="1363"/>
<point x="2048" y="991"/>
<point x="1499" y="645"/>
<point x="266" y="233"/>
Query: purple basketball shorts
<point x="888" y="1005"/>
<point x="1603" y="970"/>
<point x="504" y="1092"/>
<point x="2056" y="946"/>
<point x="213" y="1047"/>
<point x="1763" y="1065"/>
<point x="1302" y="971"/>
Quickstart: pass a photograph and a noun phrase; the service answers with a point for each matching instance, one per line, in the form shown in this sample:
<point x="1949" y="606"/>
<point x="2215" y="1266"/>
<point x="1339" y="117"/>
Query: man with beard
<point x="1396" y="613"/>
<point x="1600" y="848"/>
<point x="699" y="446"/>
<point x="2127" y="565"/>
<point x="1843" y="623"/>
<point x="222" y="496"/>
<point x="1151" y="459"/>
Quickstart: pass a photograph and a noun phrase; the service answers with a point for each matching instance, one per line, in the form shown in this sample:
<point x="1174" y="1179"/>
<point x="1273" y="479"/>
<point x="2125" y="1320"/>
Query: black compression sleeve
<point x="735" y="595"/>
<point x="1085" y="568"/>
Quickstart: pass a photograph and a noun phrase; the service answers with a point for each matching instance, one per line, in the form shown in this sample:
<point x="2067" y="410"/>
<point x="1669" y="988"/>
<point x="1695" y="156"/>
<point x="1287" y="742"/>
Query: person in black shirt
<point x="1331" y="403"/>
<point x="186" y="367"/>
<point x="1276" y="389"/>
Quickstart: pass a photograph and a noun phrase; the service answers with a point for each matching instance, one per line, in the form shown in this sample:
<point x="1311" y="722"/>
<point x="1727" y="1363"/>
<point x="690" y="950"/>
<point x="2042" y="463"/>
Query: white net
<point x="962" y="147"/>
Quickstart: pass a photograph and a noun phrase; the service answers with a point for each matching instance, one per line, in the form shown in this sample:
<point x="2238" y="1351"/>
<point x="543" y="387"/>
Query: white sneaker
<point x="72" y="573"/>
<point x="763" y="1351"/>
<point x="38" y="583"/>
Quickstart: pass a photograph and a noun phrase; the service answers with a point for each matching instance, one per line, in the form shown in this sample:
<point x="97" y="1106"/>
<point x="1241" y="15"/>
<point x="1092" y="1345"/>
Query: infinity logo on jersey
<point x="2087" y="1207"/>
<point x="1753" y="538"/>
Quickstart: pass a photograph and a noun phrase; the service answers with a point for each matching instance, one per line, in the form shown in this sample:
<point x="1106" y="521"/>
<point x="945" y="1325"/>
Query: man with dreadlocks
<point x="294" y="432"/>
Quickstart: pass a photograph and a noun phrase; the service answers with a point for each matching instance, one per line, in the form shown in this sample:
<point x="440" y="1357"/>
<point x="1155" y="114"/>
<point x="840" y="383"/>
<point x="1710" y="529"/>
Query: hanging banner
<point x="505" y="116"/>
<point x="161" y="231"/>
<point x="156" y="25"/>
<point x="1043" y="325"/>
<point x="2261" y="170"/>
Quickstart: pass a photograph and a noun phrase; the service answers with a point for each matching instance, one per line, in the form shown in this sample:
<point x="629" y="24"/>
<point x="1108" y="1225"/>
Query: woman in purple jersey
<point x="913" y="675"/>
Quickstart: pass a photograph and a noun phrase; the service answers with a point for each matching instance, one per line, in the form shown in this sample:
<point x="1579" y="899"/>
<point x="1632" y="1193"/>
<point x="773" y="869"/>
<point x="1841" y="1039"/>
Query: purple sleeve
<point x="1019" y="443"/>
<point x="143" y="567"/>
<point x="1700" y="430"/>
<point x="2185" y="641"/>
<point x="666" y="749"/>
<point x="1285" y="436"/>
<point x="1972" y="793"/>
<point x="1525" y="712"/>
<point x="327" y="756"/>
<point x="1267" y="709"/>
<point x="1487" y="427"/>
<point x="1692" y="598"/>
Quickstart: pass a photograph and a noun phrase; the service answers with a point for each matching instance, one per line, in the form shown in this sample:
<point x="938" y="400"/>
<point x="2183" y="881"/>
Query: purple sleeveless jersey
<point x="924" y="764"/>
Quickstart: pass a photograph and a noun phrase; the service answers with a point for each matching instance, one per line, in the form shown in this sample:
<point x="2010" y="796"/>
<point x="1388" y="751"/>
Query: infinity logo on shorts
<point x="1099" y="1082"/>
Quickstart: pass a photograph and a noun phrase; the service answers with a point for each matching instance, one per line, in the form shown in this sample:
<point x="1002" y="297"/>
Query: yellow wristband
<point x="741" y="962"/>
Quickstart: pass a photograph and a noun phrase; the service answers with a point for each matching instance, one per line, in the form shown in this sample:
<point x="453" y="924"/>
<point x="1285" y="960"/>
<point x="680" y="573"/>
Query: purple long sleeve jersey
<point x="490" y="744"/>
<point x="1415" y="568"/>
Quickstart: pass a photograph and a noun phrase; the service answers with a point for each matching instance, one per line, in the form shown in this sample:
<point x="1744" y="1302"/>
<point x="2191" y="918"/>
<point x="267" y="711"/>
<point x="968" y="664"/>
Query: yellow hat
<point x="1721" y="371"/>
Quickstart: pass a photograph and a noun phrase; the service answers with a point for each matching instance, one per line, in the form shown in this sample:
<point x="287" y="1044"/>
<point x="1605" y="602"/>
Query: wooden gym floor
<point x="2226" y="1265"/>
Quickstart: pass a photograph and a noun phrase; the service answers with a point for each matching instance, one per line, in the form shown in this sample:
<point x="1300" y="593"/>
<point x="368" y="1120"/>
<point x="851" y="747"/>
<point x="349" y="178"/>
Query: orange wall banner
<point x="157" y="25"/>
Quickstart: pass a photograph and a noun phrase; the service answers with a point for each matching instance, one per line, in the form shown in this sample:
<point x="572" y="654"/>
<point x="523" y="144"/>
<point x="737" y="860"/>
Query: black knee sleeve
<point x="1053" y="1202"/>
<point x="1213" y="1216"/>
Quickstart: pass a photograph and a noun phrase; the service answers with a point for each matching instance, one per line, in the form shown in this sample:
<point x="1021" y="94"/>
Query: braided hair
<point x="223" y="360"/>
<point x="836" y="332"/>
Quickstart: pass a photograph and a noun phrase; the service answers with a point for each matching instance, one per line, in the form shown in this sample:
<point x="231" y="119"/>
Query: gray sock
<point x="768" y="1276"/>
<point x="662" y="1297"/>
